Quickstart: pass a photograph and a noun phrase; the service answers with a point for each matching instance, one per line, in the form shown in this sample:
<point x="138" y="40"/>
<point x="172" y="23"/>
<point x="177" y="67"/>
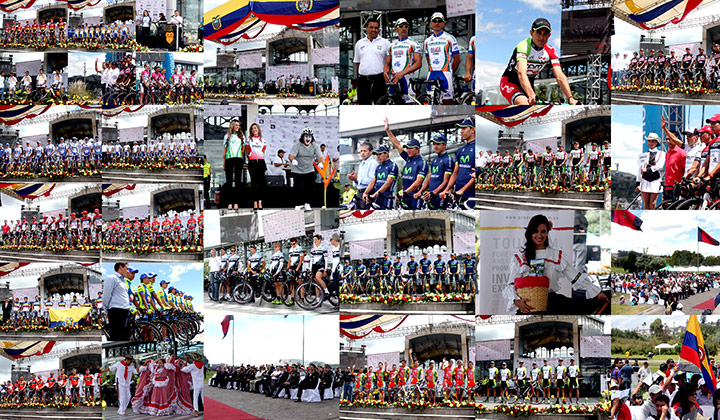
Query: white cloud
<point x="488" y="74"/>
<point x="177" y="272"/>
<point x="546" y="6"/>
<point x="627" y="145"/>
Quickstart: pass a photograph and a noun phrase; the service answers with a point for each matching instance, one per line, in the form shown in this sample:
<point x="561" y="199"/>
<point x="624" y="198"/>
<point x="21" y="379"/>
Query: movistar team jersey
<point x="425" y="264"/>
<point x="397" y="267"/>
<point x="441" y="165"/>
<point x="374" y="268"/>
<point x="439" y="266"/>
<point x="385" y="266"/>
<point x="439" y="50"/>
<point x="415" y="166"/>
<point x="360" y="269"/>
<point x="453" y="266"/>
<point x="536" y="59"/>
<point x="386" y="170"/>
<point x="401" y="54"/>
<point x="469" y="264"/>
<point x="466" y="164"/>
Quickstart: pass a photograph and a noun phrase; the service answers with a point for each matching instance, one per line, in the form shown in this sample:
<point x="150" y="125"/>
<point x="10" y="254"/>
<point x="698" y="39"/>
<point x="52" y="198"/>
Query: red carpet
<point x="708" y="304"/>
<point x="217" y="410"/>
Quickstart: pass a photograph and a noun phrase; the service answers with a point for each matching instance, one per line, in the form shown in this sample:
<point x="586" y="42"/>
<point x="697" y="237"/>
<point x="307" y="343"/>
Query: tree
<point x="657" y="329"/>
<point x="647" y="263"/>
<point x="630" y="262"/>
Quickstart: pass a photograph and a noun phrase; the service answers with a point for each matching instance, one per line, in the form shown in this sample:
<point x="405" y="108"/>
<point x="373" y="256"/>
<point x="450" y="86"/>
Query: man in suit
<point x="326" y="380"/>
<point x="7" y="309"/>
<point x="280" y="379"/>
<point x="290" y="382"/>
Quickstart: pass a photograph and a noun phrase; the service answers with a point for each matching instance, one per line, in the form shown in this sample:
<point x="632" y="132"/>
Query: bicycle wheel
<point x="665" y="204"/>
<point x="385" y="100"/>
<point x="715" y="205"/>
<point x="690" y="204"/>
<point x="309" y="296"/>
<point x="268" y="291"/>
<point x="242" y="293"/>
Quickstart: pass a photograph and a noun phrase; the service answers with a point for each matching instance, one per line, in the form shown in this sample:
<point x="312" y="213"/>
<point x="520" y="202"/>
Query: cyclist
<point x="380" y="375"/>
<point x="469" y="272"/>
<point x="425" y="265"/>
<point x="373" y="271"/>
<point x="459" y="378"/>
<point x="403" y="59"/>
<point x="411" y="271"/>
<point x="546" y="160"/>
<point x="276" y="265"/>
<point x="700" y="61"/>
<point x="573" y="374"/>
<point x="529" y="57"/>
<point x="453" y="270"/>
<point x="606" y="161"/>
<point x="385" y="173"/>
<point x="397" y="269"/>
<point x="546" y="372"/>
<point x="593" y="158"/>
<point x="686" y="64"/>
<point x="530" y="164"/>
<point x="576" y="159"/>
<point x="470" y="381"/>
<point x="431" y="377"/>
<point x="88" y="381"/>
<point x="505" y="375"/>
<point x="440" y="269"/>
<point x="255" y="265"/>
<point x="74" y="380"/>
<point x="443" y="56"/>
<point x="560" y="375"/>
<point x="493" y="373"/>
<point x="447" y="370"/>
<point x="520" y="377"/>
<point x="319" y="265"/>
<point x="518" y="161"/>
<point x="361" y="273"/>
<point x="385" y="268"/>
<point x="534" y="378"/>
<point x="441" y="170"/>
<point x="561" y="158"/>
<point x="62" y="380"/>
<point x="415" y="170"/>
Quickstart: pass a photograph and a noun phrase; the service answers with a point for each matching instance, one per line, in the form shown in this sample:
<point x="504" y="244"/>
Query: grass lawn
<point x="618" y="270"/>
<point x="626" y="309"/>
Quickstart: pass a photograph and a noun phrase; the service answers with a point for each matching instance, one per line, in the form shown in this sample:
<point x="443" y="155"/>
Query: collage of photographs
<point x="219" y="209"/>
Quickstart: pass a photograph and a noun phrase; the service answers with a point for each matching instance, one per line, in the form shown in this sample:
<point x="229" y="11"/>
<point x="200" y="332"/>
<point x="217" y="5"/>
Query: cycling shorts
<point x="446" y="78"/>
<point x="510" y="90"/>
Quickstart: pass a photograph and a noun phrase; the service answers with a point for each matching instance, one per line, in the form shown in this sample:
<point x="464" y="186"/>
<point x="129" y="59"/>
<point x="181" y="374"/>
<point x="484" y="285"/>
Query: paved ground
<point x="111" y="414"/>
<point x="274" y="408"/>
<point x="262" y="307"/>
<point x="589" y="402"/>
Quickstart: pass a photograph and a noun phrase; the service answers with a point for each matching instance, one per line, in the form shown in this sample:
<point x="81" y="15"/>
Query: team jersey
<point x="439" y="266"/>
<point x="469" y="264"/>
<point x="547" y="157"/>
<point x="401" y="53"/>
<point x="465" y="158"/>
<point x="254" y="260"/>
<point x="374" y="269"/>
<point x="576" y="155"/>
<point x="504" y="374"/>
<point x="412" y="267"/>
<point x="439" y="50"/>
<point x="700" y="60"/>
<point x="686" y="60"/>
<point x="546" y="371"/>
<point x="414" y="166"/>
<point x="535" y="58"/>
<point x="560" y="371"/>
<point x="530" y="158"/>
<point x="317" y="254"/>
<point x="593" y="156"/>
<point x="573" y="371"/>
<point x="294" y="255"/>
<point x="534" y="374"/>
<point x="521" y="372"/>
<point x="276" y="261"/>
<point x="397" y="267"/>
<point x="425" y="264"/>
<point x="492" y="373"/>
<point x="384" y="171"/>
<point x="453" y="266"/>
<point x="459" y="374"/>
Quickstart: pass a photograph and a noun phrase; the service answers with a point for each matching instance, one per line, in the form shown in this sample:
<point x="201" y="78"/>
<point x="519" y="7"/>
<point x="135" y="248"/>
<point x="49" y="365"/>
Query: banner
<point x="459" y="7"/>
<point x="282" y="131"/>
<point x="387" y="359"/>
<point x="14" y="350"/>
<point x="367" y="248"/>
<point x="66" y="317"/>
<point x="501" y="236"/>
<point x="463" y="242"/>
<point x="282" y="225"/>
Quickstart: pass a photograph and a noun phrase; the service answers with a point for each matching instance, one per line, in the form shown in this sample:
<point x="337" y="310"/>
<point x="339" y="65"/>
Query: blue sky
<point x="663" y="232"/>
<point x="500" y="25"/>
<point x="188" y="277"/>
<point x="261" y="339"/>
<point x="627" y="132"/>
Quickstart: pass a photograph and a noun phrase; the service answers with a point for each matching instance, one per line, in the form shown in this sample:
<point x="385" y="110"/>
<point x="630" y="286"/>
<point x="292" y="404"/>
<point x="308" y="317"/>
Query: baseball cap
<point x="467" y="122"/>
<point x="132" y="270"/>
<point x="381" y="149"/>
<point x="438" y="138"/>
<point x="690" y="133"/>
<point x="437" y="15"/>
<point x="163" y="282"/>
<point x="541" y="23"/>
<point x="412" y="143"/>
<point x="400" y="22"/>
<point x="151" y="274"/>
<point x="714" y="118"/>
<point x="704" y="129"/>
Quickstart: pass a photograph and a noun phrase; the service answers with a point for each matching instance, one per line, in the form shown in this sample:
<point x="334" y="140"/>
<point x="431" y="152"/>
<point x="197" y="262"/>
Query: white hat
<point x="701" y="382"/>
<point x="401" y="21"/>
<point x="655" y="389"/>
<point x="437" y="15"/>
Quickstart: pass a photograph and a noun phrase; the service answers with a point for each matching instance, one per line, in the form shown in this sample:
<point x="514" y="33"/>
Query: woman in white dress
<point x="649" y="176"/>
<point x="558" y="268"/>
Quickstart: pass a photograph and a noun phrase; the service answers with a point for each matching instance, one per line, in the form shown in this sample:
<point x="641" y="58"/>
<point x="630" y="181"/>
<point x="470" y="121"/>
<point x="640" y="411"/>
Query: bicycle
<point x="309" y="295"/>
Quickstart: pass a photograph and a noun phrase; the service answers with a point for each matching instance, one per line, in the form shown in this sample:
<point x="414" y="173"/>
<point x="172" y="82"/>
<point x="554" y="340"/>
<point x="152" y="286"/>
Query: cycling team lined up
<point x="380" y="64"/>
<point x="561" y="168"/>
<point x="456" y="275"/>
<point x="115" y="35"/>
<point x="36" y="312"/>
<point x="140" y="154"/>
<point x="658" y="69"/>
<point x="72" y="389"/>
<point x="147" y="299"/>
<point x="126" y="234"/>
<point x="535" y="384"/>
<point x="51" y="232"/>
<point x="44" y="88"/>
<point x="444" y="183"/>
<point x="453" y="380"/>
<point x="77" y="156"/>
<point x="296" y="266"/>
<point x="48" y="33"/>
<point x="51" y="33"/>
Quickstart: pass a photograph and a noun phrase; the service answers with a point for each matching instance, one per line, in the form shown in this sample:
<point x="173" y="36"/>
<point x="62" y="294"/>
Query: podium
<point x="170" y="36"/>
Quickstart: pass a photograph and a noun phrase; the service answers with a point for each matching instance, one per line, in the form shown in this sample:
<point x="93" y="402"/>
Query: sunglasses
<point x="437" y="20"/>
<point x="404" y="26"/>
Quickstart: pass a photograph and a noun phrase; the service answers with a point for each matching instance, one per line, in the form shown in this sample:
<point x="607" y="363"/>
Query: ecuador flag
<point x="693" y="350"/>
<point x="66" y="317"/>
<point x="704" y="237"/>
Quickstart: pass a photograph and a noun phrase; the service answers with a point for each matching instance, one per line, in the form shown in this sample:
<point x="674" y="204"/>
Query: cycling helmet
<point x="606" y="142"/>
<point x="72" y="214"/>
<point x="307" y="130"/>
<point x="84" y="212"/>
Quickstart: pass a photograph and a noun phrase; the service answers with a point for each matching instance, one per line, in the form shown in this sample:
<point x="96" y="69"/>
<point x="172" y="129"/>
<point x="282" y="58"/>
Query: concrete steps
<point x="86" y="413"/>
<point x="171" y="176"/>
<point x="635" y="98"/>
<point x="360" y="413"/>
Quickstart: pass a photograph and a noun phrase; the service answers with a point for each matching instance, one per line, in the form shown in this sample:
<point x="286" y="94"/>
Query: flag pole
<point x="233" y="341"/>
<point x="698" y="254"/>
<point x="303" y="341"/>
